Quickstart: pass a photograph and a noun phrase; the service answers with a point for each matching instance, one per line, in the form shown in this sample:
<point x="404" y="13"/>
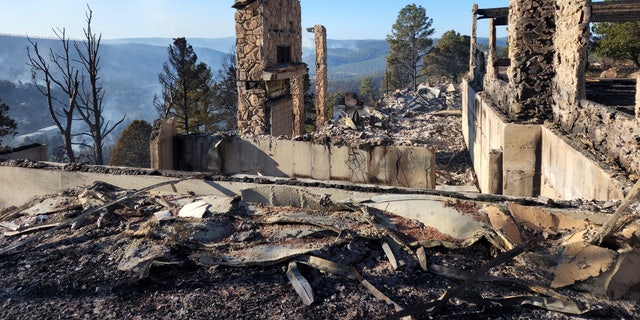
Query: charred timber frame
<point x="616" y="11"/>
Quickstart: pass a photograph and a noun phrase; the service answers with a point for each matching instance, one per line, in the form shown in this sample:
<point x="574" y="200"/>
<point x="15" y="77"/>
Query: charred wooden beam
<point x="495" y="13"/>
<point x="615" y="11"/>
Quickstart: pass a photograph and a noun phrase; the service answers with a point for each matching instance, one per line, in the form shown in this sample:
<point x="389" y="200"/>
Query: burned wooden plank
<point x="615" y="11"/>
<point x="495" y="13"/>
<point x="612" y="92"/>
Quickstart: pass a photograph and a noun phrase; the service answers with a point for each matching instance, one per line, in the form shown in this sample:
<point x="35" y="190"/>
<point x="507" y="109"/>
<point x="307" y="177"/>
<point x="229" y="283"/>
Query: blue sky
<point x="344" y="19"/>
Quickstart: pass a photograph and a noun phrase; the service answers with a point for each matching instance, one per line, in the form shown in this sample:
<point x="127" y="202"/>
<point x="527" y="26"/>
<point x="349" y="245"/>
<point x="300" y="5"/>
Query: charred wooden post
<point x="473" y="44"/>
<point x="321" y="73"/>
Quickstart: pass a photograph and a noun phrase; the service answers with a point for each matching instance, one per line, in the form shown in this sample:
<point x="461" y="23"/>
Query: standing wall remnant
<point x="161" y="147"/>
<point x="548" y="45"/>
<point x="269" y="67"/>
<point x="404" y="166"/>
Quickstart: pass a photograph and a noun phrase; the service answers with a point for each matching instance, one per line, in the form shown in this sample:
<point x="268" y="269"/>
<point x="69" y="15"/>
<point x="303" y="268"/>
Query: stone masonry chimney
<point x="270" y="68"/>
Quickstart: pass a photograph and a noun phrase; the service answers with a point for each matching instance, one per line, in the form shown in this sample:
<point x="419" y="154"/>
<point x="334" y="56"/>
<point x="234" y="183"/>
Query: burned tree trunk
<point x="91" y="109"/>
<point x="59" y="73"/>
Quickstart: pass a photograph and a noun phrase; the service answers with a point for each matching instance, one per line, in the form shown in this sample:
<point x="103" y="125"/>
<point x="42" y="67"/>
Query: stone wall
<point x="282" y="26"/>
<point x="249" y="39"/>
<point x="251" y="110"/>
<point x="614" y="135"/>
<point x="531" y="51"/>
<point x="321" y="74"/>
<point x="297" y="97"/>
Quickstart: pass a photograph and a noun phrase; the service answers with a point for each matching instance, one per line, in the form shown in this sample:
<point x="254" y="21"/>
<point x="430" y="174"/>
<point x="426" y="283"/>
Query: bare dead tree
<point x="91" y="109"/>
<point x="225" y="91"/>
<point x="57" y="72"/>
<point x="163" y="104"/>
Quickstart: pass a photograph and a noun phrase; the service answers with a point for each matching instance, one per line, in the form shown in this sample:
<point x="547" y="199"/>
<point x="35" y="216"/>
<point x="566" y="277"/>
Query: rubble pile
<point x="292" y="252"/>
<point x="429" y="117"/>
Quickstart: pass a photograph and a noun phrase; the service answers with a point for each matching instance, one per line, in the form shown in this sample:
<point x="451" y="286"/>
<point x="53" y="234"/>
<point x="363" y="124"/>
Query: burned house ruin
<point x="530" y="126"/>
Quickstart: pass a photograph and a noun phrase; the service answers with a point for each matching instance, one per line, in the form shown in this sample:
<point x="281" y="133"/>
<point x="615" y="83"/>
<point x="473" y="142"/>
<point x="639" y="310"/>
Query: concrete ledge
<point x="19" y="185"/>
<point x="403" y="166"/>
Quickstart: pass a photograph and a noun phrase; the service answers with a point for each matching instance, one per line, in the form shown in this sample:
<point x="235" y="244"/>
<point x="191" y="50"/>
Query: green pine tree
<point x="133" y="147"/>
<point x="449" y="58"/>
<point x="408" y="42"/>
<point x="187" y="89"/>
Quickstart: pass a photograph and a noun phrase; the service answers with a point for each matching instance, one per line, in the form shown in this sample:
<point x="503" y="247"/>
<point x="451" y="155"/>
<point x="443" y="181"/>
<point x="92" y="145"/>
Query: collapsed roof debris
<point x="123" y="239"/>
<point x="428" y="117"/>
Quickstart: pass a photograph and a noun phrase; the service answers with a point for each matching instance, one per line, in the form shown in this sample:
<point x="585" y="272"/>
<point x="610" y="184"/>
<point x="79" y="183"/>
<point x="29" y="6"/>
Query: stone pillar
<point x="571" y="44"/>
<point x="161" y="147"/>
<point x="492" y="60"/>
<point x="531" y="51"/>
<point x="297" y="99"/>
<point x="321" y="74"/>
<point x="473" y="43"/>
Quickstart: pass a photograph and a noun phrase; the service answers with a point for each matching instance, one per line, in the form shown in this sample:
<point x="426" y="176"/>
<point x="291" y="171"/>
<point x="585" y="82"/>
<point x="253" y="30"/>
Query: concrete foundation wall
<point x="19" y="185"/>
<point x="491" y="138"/>
<point x="403" y="166"/>
<point x="530" y="160"/>
<point x="573" y="174"/>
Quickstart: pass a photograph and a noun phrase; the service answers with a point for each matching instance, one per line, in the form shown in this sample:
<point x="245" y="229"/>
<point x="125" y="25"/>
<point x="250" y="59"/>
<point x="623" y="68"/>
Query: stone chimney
<point x="270" y="68"/>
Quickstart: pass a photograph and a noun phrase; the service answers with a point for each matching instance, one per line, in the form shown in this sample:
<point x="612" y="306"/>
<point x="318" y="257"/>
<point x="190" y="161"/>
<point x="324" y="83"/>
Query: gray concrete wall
<point x="403" y="166"/>
<point x="36" y="153"/>
<point x="487" y="132"/>
<point x="572" y="174"/>
<point x="535" y="161"/>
